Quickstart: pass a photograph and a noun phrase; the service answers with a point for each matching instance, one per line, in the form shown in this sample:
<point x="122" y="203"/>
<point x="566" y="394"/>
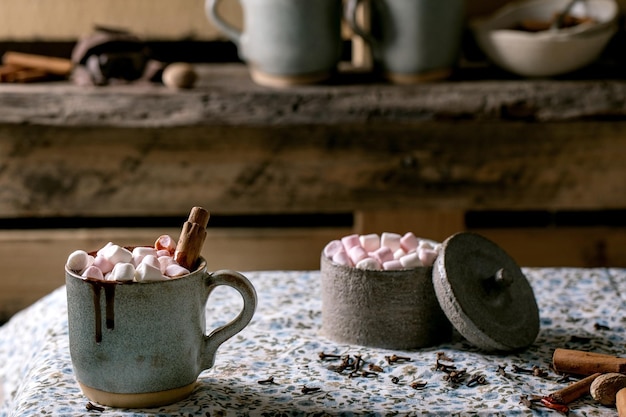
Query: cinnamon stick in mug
<point x="192" y="238"/>
<point x="586" y="363"/>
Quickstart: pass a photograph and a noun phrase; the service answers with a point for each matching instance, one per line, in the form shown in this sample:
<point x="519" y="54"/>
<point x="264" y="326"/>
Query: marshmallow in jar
<point x="402" y="292"/>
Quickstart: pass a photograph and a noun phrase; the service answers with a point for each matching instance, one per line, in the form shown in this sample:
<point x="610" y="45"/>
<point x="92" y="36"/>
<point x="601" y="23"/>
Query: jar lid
<point x="484" y="294"/>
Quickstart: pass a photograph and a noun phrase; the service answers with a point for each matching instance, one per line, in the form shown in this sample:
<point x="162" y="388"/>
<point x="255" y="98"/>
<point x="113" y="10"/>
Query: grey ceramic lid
<point x="484" y="294"/>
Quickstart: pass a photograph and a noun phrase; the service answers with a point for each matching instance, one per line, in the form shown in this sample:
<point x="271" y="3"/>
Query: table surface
<point x="580" y="309"/>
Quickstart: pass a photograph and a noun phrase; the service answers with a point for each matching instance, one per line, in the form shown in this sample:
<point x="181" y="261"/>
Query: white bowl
<point x="550" y="52"/>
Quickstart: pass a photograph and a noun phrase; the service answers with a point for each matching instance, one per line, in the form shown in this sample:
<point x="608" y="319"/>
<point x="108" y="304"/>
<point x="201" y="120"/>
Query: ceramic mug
<point x="411" y="40"/>
<point x="286" y="42"/>
<point x="137" y="345"/>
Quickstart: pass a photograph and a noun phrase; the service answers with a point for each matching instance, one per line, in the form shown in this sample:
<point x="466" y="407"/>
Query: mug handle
<point x="221" y="334"/>
<point x="351" y="18"/>
<point x="210" y="8"/>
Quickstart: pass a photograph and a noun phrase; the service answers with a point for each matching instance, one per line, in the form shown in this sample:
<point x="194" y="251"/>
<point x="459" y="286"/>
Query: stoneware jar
<point x="285" y="42"/>
<point x="473" y="287"/>
<point x="137" y="345"/>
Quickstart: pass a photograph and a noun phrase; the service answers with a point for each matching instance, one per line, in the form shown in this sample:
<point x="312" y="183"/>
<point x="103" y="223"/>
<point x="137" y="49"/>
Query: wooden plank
<point x="33" y="260"/>
<point x="61" y="171"/>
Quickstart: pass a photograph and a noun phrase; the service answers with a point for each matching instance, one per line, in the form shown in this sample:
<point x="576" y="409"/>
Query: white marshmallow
<point x="399" y="253"/>
<point x="140" y="252"/>
<point x="175" y="271"/>
<point x="390" y="240"/>
<point x="78" y="261"/>
<point x="370" y="242"/>
<point x="104" y="248"/>
<point x="93" y="272"/>
<point x="165" y="261"/>
<point x="151" y="260"/>
<point x="122" y="272"/>
<point x="411" y="260"/>
<point x="333" y="247"/>
<point x="146" y="273"/>
<point x="357" y="253"/>
<point x="424" y="244"/>
<point x="116" y="254"/>
<point x="409" y="242"/>
<point x="392" y="265"/>
<point x="369" y="264"/>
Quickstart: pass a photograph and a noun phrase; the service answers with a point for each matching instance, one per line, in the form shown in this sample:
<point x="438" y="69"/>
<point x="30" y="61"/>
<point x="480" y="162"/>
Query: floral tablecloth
<point x="273" y="366"/>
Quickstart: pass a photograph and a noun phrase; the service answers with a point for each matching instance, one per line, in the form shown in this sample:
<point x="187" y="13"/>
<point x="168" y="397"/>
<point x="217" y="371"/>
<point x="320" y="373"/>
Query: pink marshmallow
<point x="382" y="254"/>
<point x="350" y="241"/>
<point x="392" y="265"/>
<point x="163" y="252"/>
<point x="370" y="242"/>
<point x="342" y="258"/>
<point x="409" y="242"/>
<point x="399" y="253"/>
<point x="175" y="271"/>
<point x="93" y="272"/>
<point x="332" y="248"/>
<point x="357" y="253"/>
<point x="427" y="256"/>
<point x="103" y="264"/>
<point x="165" y="242"/>
<point x="390" y="240"/>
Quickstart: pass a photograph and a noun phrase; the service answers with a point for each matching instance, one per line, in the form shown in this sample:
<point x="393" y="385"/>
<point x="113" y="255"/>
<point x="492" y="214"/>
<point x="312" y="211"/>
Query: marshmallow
<point x="411" y="260"/>
<point x="390" y="240"/>
<point x="93" y="272"/>
<point x="382" y="254"/>
<point x="427" y="256"/>
<point x="163" y="252"/>
<point x="175" y="271"/>
<point x="103" y="263"/>
<point x="165" y="261"/>
<point x="350" y="241"/>
<point x="342" y="258"/>
<point x="369" y="263"/>
<point x="123" y="271"/>
<point x="146" y="272"/>
<point x="116" y="254"/>
<point x="104" y="248"/>
<point x="424" y="244"/>
<point x="392" y="265"/>
<point x="399" y="253"/>
<point x="78" y="261"/>
<point x="357" y="253"/>
<point x="151" y="260"/>
<point x="409" y="242"/>
<point x="370" y="242"/>
<point x="333" y="247"/>
<point x="165" y="242"/>
<point x="140" y="252"/>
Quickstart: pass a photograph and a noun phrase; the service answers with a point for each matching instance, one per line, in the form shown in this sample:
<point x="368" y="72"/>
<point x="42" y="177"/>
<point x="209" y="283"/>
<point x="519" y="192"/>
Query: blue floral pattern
<point x="273" y="366"/>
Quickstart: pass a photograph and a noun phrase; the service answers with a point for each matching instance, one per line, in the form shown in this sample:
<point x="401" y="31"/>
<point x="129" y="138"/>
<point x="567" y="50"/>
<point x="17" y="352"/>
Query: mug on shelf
<point x="411" y="40"/>
<point x="285" y="42"/>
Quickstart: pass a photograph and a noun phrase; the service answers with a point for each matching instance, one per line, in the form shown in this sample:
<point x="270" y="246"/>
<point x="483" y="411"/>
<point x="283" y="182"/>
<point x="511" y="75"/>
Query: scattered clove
<point x="476" y="379"/>
<point x="91" y="407"/>
<point x="395" y="358"/>
<point x="309" y="390"/>
<point x="328" y="356"/>
<point x="501" y="370"/>
<point x="268" y="381"/>
<point x="375" y="368"/>
<point x="418" y="384"/>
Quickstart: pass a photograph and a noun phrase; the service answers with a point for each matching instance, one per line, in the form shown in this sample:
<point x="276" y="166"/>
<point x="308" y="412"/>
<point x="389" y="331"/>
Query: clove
<point x="395" y="358"/>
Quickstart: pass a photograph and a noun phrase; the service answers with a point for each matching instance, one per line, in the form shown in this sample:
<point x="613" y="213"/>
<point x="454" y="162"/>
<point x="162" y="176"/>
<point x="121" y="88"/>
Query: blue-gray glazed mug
<point x="285" y="42"/>
<point x="137" y="345"/>
<point x="411" y="40"/>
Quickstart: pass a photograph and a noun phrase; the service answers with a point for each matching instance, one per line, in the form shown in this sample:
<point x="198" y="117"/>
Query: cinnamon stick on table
<point x="573" y="391"/>
<point x="579" y="362"/>
<point x="192" y="238"/>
